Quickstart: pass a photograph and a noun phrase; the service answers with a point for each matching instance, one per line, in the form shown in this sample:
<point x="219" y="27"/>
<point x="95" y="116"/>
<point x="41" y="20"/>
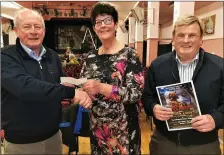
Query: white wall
<point x="144" y="31"/>
<point x="2" y="44"/>
<point x="217" y="9"/>
<point x="153" y="28"/>
<point x="122" y="37"/>
<point x="12" y="38"/>
<point x="11" y="35"/>
<point x="166" y="30"/>
<point x="138" y="32"/>
<point x="131" y="29"/>
<point x="214" y="8"/>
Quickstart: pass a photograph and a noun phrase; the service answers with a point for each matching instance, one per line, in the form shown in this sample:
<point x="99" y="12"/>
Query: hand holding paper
<point x="162" y="113"/>
<point x="92" y="87"/>
<point x="82" y="98"/>
<point x="182" y="100"/>
<point x="203" y="123"/>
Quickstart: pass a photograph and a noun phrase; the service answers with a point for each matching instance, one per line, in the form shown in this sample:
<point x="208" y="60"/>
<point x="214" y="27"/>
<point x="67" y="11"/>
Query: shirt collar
<point x="196" y="58"/>
<point x="32" y="54"/>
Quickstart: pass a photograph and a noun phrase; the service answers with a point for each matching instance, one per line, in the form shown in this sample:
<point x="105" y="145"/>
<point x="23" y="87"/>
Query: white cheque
<point x="74" y="81"/>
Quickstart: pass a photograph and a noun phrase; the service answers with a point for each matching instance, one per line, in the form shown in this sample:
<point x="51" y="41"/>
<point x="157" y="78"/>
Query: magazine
<point x="181" y="97"/>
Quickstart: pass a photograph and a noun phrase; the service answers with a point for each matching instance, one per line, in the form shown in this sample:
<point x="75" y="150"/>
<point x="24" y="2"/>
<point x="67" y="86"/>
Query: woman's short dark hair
<point x="101" y="9"/>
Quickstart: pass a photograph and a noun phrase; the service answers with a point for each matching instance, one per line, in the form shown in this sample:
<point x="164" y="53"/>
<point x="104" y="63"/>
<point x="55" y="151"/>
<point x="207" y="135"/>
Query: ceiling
<point x="123" y="12"/>
<point x="61" y="4"/>
<point x="123" y="7"/>
<point x="8" y="9"/>
<point x="166" y="10"/>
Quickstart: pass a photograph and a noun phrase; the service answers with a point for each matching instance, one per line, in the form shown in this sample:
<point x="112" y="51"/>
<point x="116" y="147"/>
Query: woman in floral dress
<point x="115" y="84"/>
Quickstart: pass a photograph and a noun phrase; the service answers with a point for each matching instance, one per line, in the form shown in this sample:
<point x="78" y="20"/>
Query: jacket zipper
<point x="40" y="70"/>
<point x="40" y="65"/>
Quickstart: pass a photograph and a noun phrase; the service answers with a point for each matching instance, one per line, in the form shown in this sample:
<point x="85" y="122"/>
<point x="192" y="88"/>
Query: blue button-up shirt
<point x="32" y="54"/>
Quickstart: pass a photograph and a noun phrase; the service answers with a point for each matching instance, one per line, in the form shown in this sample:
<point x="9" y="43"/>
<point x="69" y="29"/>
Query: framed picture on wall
<point x="75" y="37"/>
<point x="69" y="36"/>
<point x="209" y="25"/>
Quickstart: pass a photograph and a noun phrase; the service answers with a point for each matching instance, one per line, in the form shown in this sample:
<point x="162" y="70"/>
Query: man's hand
<point x="203" y="123"/>
<point x="92" y="87"/>
<point x="82" y="98"/>
<point x="162" y="113"/>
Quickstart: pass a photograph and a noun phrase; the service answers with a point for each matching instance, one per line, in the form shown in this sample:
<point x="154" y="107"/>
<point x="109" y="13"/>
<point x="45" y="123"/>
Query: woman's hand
<point x="92" y="87"/>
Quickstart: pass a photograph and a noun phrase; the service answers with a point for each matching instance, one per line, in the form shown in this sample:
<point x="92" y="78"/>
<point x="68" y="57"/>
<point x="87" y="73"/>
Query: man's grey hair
<point x="187" y="20"/>
<point x="18" y="16"/>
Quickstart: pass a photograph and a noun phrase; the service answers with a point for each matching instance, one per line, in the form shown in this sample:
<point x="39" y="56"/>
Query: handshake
<point x="86" y="94"/>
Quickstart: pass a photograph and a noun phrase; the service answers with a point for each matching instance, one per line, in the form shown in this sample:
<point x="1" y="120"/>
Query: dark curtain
<point x="144" y="53"/>
<point x="164" y="48"/>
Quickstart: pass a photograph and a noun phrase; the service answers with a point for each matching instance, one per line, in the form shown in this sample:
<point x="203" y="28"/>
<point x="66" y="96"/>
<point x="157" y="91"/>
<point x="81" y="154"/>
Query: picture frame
<point x="209" y="25"/>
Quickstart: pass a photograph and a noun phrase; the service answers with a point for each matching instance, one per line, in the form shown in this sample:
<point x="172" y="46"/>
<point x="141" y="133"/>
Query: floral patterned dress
<point x="114" y="120"/>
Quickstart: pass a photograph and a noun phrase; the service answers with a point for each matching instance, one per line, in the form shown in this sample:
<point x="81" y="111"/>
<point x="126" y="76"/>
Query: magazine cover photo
<point x="182" y="99"/>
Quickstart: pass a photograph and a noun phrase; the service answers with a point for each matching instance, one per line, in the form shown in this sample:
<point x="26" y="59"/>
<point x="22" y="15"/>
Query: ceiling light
<point x="6" y="16"/>
<point x="13" y="5"/>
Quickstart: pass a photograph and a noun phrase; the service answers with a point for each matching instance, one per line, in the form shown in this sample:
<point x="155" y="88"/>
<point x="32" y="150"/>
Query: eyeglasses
<point x="106" y="21"/>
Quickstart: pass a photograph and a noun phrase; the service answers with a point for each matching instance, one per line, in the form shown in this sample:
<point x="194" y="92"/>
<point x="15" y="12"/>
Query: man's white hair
<point x="18" y="16"/>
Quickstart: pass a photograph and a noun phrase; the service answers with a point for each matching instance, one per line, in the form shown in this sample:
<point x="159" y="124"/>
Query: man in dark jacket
<point x="31" y="90"/>
<point x="187" y="62"/>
